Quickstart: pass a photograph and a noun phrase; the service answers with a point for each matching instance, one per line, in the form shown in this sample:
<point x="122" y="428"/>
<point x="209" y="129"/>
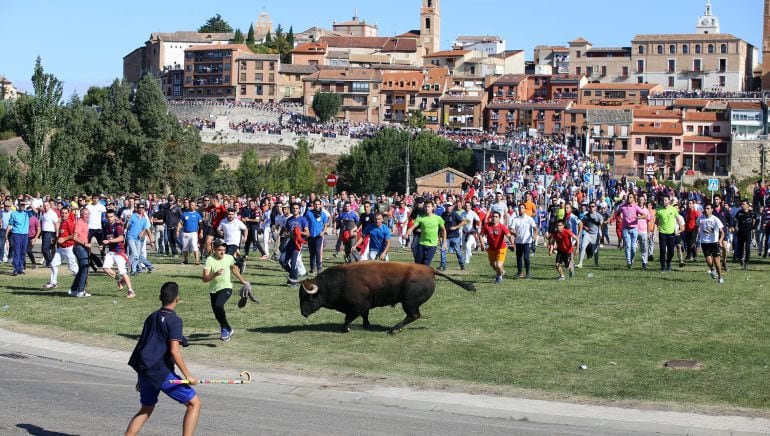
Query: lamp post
<point x="612" y="146"/>
<point x="584" y="146"/>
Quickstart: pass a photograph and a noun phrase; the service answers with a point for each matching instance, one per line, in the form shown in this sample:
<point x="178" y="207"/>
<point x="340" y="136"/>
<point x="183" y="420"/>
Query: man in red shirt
<point x="66" y="228"/>
<point x="216" y="212"/>
<point x="496" y="233"/>
<point x="113" y="240"/>
<point x="691" y="216"/>
<point x="562" y="241"/>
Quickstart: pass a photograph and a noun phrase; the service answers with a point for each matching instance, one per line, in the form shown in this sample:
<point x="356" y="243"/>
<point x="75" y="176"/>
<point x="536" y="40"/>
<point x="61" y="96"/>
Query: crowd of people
<point x="714" y="94"/>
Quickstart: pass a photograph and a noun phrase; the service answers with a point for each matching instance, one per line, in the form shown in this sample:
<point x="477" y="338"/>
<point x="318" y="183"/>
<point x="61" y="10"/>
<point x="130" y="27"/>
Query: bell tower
<point x="430" y="26"/>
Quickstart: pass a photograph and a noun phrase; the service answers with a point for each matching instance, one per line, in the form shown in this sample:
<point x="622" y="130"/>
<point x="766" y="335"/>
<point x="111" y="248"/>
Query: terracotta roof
<point x="347" y="74"/>
<point x="510" y="79"/>
<point x="241" y="47"/>
<point x="620" y="86"/>
<point x="448" y="54"/>
<point x="654" y="112"/>
<point x="690" y="37"/>
<point x="748" y="106"/>
<point x="407" y="77"/>
<point x="663" y="128"/>
<point x="259" y="56"/>
<point x="400" y="45"/>
<point x="703" y="116"/>
<point x="190" y="36"/>
<point x="298" y="69"/>
<point x="579" y="40"/>
<point x="311" y="48"/>
<point x="436" y="76"/>
<point x="691" y="102"/>
<point x="703" y="139"/>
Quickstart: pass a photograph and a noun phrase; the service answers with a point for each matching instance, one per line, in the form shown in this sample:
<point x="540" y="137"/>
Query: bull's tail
<point x="468" y="286"/>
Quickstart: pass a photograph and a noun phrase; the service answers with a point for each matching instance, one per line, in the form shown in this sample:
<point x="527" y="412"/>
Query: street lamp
<point x="584" y="146"/>
<point x="612" y="146"/>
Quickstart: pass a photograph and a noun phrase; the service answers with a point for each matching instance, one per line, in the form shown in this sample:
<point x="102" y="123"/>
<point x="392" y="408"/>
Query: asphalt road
<point x="44" y="396"/>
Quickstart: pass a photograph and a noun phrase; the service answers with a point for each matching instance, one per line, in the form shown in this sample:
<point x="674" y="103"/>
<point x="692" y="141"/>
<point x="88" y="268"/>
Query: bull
<point x="355" y="288"/>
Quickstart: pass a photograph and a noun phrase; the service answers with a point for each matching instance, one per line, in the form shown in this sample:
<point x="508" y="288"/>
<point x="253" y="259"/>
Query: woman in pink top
<point x="629" y="213"/>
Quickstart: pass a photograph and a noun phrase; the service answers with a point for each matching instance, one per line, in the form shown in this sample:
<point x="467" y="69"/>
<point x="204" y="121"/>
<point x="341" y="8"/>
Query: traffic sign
<point x="587" y="177"/>
<point x="650" y="170"/>
<point x="331" y="180"/>
<point x="713" y="185"/>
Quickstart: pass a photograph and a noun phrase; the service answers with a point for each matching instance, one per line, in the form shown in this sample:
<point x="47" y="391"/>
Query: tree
<point x="96" y="95"/>
<point x="238" y="37"/>
<point x="416" y="119"/>
<point x="250" y="36"/>
<point x="299" y="169"/>
<point x="71" y="145"/>
<point x="378" y="164"/>
<point x="215" y="24"/>
<point x="326" y="105"/>
<point x="35" y="118"/>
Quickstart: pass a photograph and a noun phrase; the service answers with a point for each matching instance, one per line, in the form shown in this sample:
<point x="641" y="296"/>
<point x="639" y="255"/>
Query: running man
<point x="113" y="239"/>
<point x="562" y="242"/>
<point x="153" y="359"/>
<point x="496" y="233"/>
<point x="711" y="234"/>
<point x="216" y="273"/>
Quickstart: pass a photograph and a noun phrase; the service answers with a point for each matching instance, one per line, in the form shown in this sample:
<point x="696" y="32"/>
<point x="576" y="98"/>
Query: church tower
<point x="430" y="26"/>
<point x="708" y="23"/>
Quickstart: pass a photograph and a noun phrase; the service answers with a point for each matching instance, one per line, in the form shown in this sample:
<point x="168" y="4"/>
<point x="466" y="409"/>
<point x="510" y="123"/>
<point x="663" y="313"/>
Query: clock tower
<point x="708" y="23"/>
<point x="430" y="26"/>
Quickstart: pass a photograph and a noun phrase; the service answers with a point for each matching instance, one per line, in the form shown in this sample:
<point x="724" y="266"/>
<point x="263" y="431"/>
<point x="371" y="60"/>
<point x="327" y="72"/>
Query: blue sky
<point x="83" y="42"/>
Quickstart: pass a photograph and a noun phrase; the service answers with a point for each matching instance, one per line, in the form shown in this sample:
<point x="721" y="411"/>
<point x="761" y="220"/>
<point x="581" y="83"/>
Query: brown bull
<point x="355" y="288"/>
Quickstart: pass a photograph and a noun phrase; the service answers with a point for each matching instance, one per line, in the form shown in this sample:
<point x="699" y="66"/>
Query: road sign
<point x="331" y="180"/>
<point x="713" y="185"/>
<point x="587" y="177"/>
<point x="650" y="169"/>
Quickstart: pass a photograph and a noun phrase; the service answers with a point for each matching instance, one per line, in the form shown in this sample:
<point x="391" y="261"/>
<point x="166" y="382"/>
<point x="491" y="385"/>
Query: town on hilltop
<point x="674" y="103"/>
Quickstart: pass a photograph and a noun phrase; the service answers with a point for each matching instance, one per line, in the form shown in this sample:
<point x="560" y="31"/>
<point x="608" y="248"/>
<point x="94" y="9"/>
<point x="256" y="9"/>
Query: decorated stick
<point x="245" y="379"/>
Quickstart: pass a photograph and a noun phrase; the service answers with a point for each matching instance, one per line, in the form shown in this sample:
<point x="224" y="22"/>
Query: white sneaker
<point x="721" y="280"/>
<point x="580" y="265"/>
<point x="82" y="294"/>
<point x="51" y="285"/>
<point x="713" y="274"/>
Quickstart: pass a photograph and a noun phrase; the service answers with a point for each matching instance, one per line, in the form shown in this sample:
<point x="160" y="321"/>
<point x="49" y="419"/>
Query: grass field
<point x="526" y="337"/>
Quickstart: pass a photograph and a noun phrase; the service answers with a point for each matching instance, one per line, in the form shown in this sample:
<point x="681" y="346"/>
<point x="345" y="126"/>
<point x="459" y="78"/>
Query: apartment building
<point x="310" y="53"/>
<point x="551" y="59"/>
<point x="396" y="50"/>
<point x="598" y="64"/>
<point x="700" y="61"/>
<point x="487" y="44"/>
<point x="399" y="94"/>
<point x="257" y="77"/>
<point x="359" y="89"/>
<point x="706" y="144"/>
<point x="464" y="103"/>
<point x="746" y="119"/>
<point x="289" y="83"/>
<point x="211" y="71"/>
<point x="616" y="94"/>
<point x="166" y="51"/>
<point x="429" y="96"/>
<point x="657" y="133"/>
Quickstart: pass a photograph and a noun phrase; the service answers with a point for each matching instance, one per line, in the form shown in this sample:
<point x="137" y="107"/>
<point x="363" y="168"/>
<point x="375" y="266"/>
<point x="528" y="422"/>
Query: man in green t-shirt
<point x="665" y="219"/>
<point x="216" y="273"/>
<point x="432" y="233"/>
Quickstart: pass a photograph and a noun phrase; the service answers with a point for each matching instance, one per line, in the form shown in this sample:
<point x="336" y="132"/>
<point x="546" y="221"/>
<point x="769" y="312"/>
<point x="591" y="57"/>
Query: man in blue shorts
<point x="154" y="357"/>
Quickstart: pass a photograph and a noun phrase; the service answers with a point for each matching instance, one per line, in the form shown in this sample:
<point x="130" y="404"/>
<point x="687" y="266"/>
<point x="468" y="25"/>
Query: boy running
<point x="562" y="241"/>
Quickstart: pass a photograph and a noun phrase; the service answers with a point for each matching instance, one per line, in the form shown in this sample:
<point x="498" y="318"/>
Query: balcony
<point x="693" y="70"/>
<point x="460" y="112"/>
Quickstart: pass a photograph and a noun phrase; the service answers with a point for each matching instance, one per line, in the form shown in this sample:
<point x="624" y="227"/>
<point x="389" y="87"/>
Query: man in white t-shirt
<point x="49" y="226"/>
<point x="470" y="230"/>
<point x="233" y="231"/>
<point x="524" y="230"/>
<point x="711" y="233"/>
<point x="96" y="211"/>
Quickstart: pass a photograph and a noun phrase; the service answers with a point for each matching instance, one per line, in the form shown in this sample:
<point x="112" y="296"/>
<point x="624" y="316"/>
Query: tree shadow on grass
<point x="38" y="431"/>
<point x="39" y="292"/>
<point x="193" y="339"/>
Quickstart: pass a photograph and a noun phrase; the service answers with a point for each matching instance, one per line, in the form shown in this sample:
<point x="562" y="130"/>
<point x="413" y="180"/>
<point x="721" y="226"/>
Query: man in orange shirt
<point x="529" y="206"/>
<point x="82" y="251"/>
<point x="496" y="233"/>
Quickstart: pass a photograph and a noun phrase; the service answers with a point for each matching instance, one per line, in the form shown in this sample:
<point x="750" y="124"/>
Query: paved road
<point x="44" y="396"/>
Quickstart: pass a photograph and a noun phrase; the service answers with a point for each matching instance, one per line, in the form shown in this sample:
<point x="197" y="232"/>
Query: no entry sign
<point x="331" y="180"/>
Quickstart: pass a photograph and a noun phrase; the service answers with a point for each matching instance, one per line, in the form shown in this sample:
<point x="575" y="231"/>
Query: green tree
<point x="238" y="37"/>
<point x="300" y="170"/>
<point x="249" y="173"/>
<point x="96" y="95"/>
<point x="416" y="119"/>
<point x="326" y="105"/>
<point x="71" y="145"/>
<point x="149" y="158"/>
<point x="250" y="36"/>
<point x="10" y="177"/>
<point x="35" y="117"/>
<point x="215" y="24"/>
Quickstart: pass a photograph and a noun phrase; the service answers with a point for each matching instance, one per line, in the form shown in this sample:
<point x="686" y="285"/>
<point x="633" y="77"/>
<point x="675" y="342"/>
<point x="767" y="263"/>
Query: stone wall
<point x="746" y="158"/>
<point x="235" y="114"/>
<point x="318" y="144"/>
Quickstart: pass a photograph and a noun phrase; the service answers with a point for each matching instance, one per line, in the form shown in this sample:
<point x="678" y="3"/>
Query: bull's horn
<point x="313" y="289"/>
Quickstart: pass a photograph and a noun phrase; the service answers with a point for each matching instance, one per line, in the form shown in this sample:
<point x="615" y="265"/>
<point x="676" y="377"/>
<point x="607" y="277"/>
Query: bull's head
<point x="309" y="298"/>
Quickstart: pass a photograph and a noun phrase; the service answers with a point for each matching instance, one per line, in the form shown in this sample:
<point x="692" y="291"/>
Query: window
<point x="436" y="87"/>
<point x="711" y="48"/>
<point x="722" y="65"/>
<point x="697" y="49"/>
<point x="427" y="23"/>
<point x="640" y="79"/>
<point x="696" y="65"/>
<point x="723" y="49"/>
<point x="641" y="49"/>
<point x="670" y="81"/>
<point x="685" y="49"/>
<point x="639" y="66"/>
<point x="597" y="93"/>
<point x="243" y="89"/>
<point x="586" y="93"/>
<point x="258" y="77"/>
<point x="624" y="71"/>
<point x="258" y="65"/>
<point x="660" y="49"/>
<point x="671" y="65"/>
<point x="672" y="49"/>
<point x="243" y="77"/>
<point x="360" y="86"/>
<point x="589" y="71"/>
<point x="578" y="71"/>
<point x="722" y="80"/>
<point x="638" y="141"/>
<point x="690" y="129"/>
<point x="258" y="90"/>
<point x="604" y="70"/>
<point x="717" y="129"/>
